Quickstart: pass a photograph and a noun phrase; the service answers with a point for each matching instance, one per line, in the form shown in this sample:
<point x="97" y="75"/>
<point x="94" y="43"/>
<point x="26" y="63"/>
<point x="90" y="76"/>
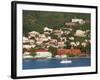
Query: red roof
<point x="69" y="51"/>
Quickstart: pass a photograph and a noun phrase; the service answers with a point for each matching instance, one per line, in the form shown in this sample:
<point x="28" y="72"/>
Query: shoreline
<point x="55" y="58"/>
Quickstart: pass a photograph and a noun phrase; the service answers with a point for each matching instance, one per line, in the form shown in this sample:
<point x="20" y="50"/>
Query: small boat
<point x="66" y="61"/>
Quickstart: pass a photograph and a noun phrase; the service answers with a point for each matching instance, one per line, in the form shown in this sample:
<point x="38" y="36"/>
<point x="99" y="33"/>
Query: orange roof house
<point x="69" y="51"/>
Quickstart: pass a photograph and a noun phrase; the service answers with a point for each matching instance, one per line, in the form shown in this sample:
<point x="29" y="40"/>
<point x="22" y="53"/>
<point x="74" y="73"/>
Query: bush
<point x="33" y="54"/>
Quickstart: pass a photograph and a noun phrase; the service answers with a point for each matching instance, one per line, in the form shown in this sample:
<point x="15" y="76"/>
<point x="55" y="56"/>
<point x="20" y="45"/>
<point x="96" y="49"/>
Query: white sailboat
<point x="65" y="60"/>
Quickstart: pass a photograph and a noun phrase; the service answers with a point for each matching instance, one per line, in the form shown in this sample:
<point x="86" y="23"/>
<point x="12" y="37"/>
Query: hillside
<point x="37" y="20"/>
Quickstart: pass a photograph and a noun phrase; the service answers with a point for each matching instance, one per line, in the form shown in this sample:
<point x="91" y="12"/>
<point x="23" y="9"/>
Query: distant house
<point x="41" y="37"/>
<point x="63" y="39"/>
<point x="43" y="54"/>
<point x="71" y="38"/>
<point x="49" y="37"/>
<point x="58" y="32"/>
<point x="53" y="41"/>
<point x="47" y="33"/>
<point x="68" y="51"/>
<point x="61" y="44"/>
<point x="84" y="44"/>
<point x="80" y="33"/>
<point x="77" y="43"/>
<point x="38" y="42"/>
<point x="80" y="21"/>
<point x="33" y="34"/>
<point x="48" y="29"/>
<point x="67" y="32"/>
<point x="33" y="46"/>
<point x="25" y="40"/>
<point x="26" y="46"/>
<point x="31" y="41"/>
<point x="71" y="24"/>
<point x="73" y="44"/>
<point x="27" y="55"/>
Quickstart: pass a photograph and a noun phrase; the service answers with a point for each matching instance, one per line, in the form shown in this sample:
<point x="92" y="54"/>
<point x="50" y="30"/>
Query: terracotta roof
<point x="69" y="51"/>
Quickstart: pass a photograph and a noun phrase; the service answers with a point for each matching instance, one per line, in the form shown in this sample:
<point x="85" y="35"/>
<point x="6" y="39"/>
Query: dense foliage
<point x="37" y="20"/>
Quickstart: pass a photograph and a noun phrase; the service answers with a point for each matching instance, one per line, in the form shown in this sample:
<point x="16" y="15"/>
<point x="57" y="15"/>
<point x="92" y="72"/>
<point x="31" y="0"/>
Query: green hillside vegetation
<point x="37" y="20"/>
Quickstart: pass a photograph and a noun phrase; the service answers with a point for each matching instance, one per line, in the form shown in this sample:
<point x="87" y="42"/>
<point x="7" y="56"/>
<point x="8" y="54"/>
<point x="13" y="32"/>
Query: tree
<point x="53" y="36"/>
<point x="53" y="50"/>
<point x="33" y="54"/>
<point x="88" y="48"/>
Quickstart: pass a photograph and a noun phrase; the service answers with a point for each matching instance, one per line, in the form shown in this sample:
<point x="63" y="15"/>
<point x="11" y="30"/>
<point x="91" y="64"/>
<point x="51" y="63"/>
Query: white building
<point x="84" y="44"/>
<point x="61" y="44"/>
<point x="26" y="46"/>
<point x="80" y="21"/>
<point x="33" y="34"/>
<point x="73" y="44"/>
<point x="77" y="43"/>
<point x="27" y="55"/>
<point x="48" y="29"/>
<point x="71" y="38"/>
<point x="39" y="42"/>
<point x="63" y="39"/>
<point x="80" y="33"/>
<point x="25" y="40"/>
<point x="31" y="41"/>
<point x="33" y="46"/>
<point x="43" y="54"/>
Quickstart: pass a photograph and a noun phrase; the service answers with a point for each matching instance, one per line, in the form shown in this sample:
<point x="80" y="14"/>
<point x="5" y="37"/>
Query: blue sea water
<point x="55" y="63"/>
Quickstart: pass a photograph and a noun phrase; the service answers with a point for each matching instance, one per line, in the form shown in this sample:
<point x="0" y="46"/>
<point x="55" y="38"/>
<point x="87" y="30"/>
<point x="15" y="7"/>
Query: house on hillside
<point x="58" y="32"/>
<point x="26" y="47"/>
<point x="43" y="54"/>
<point x="61" y="44"/>
<point x="53" y="43"/>
<point x="71" y="38"/>
<point x="47" y="33"/>
<point x="80" y="21"/>
<point x="47" y="29"/>
<point x="63" y="39"/>
<point x="42" y="37"/>
<point x="31" y="41"/>
<point x="39" y="41"/>
<point x="32" y="34"/>
<point x="71" y="24"/>
<point x="25" y="40"/>
<point x="27" y="55"/>
<point x="80" y="33"/>
<point x="84" y="44"/>
<point x="68" y="52"/>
